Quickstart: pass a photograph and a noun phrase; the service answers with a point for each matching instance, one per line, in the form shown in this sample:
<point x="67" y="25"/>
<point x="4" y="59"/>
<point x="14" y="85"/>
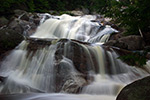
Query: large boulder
<point x="15" y="25"/>
<point x="132" y="42"/>
<point x="138" y="90"/>
<point x="9" y="39"/>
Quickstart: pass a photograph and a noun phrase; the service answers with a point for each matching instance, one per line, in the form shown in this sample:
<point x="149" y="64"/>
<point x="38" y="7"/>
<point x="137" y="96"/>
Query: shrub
<point x="133" y="15"/>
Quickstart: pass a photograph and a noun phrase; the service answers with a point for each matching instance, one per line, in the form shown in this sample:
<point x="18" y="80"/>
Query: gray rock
<point x="25" y="16"/>
<point x="15" y="25"/>
<point x="85" y="11"/>
<point x="19" y="12"/>
<point x="73" y="85"/>
<point x="9" y="39"/>
<point x="3" y="21"/>
<point x="116" y="43"/>
<point x="131" y="42"/>
<point x="138" y="90"/>
<point x="77" y="13"/>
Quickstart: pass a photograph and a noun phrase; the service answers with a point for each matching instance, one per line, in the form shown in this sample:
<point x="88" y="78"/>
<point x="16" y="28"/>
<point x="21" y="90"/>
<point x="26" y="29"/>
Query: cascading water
<point x="78" y="28"/>
<point x="49" y="62"/>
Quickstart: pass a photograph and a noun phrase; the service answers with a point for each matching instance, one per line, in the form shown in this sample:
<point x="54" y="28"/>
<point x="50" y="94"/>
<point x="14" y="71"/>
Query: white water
<point x="28" y="72"/>
<point x="78" y="28"/>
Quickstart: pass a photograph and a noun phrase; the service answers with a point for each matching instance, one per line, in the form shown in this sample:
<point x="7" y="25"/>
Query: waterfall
<point x="78" y="28"/>
<point x="64" y="56"/>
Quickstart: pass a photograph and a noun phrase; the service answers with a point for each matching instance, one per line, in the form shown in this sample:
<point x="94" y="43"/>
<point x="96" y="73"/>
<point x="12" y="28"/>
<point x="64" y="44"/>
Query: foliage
<point x="135" y="58"/>
<point x="133" y="15"/>
<point x="6" y="6"/>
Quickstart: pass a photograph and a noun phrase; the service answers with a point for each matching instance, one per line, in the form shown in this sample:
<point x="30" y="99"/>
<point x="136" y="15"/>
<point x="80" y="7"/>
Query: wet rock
<point x="68" y="79"/>
<point x="77" y="53"/>
<point x="73" y="85"/>
<point x="28" y="27"/>
<point x="36" y="21"/>
<point x="138" y="90"/>
<point x="2" y="79"/>
<point x="3" y="21"/>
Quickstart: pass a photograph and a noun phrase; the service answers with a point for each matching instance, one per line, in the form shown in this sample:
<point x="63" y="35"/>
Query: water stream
<point x="65" y="57"/>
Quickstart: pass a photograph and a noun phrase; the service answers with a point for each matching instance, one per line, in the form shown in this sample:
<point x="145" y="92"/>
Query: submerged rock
<point x="138" y="90"/>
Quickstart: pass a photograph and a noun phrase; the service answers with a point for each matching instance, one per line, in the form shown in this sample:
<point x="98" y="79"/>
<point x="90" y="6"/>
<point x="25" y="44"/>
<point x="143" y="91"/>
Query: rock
<point x="116" y="43"/>
<point x="77" y="54"/>
<point x="3" y="21"/>
<point x="131" y="42"/>
<point x="2" y="79"/>
<point x="73" y="85"/>
<point x="116" y="36"/>
<point x="85" y="11"/>
<point x="9" y="39"/>
<point x="36" y="21"/>
<point x="19" y="12"/>
<point x="24" y="27"/>
<point x="77" y="13"/>
<point x="70" y="82"/>
<point x="138" y="90"/>
<point x="25" y="16"/>
<point x="15" y="25"/>
<point x="28" y="27"/>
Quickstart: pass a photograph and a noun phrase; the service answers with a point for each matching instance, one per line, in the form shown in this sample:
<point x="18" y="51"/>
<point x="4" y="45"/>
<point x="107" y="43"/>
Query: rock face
<point x="138" y="90"/>
<point x="131" y="42"/>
